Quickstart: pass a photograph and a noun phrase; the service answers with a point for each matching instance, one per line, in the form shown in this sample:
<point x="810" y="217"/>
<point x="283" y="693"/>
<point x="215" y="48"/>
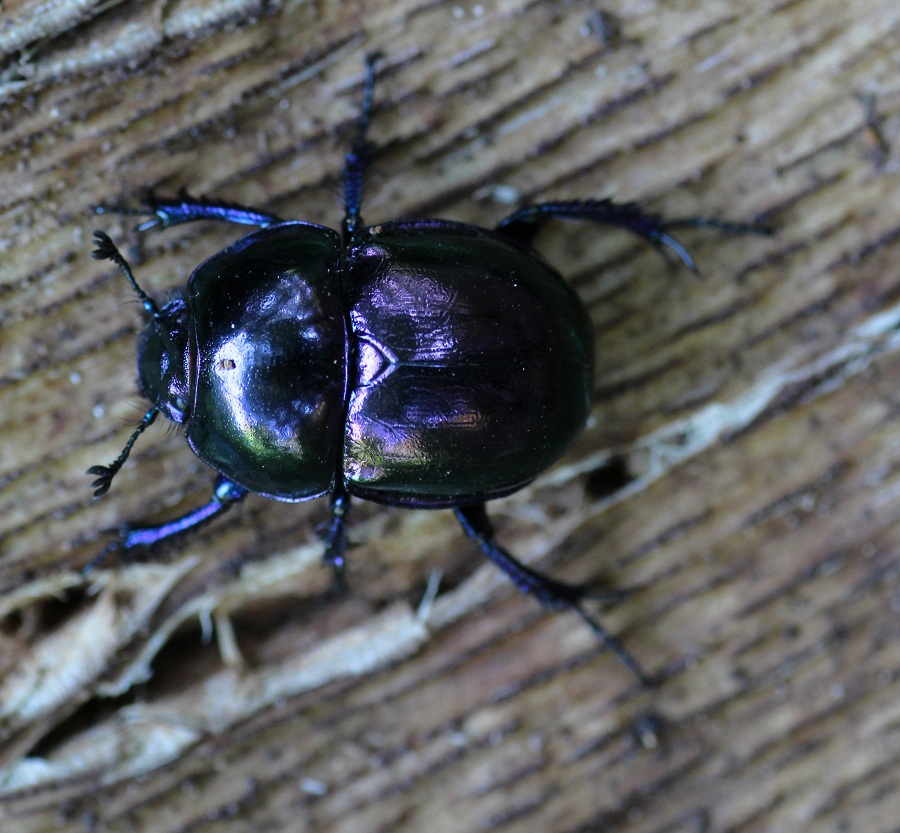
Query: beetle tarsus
<point x="100" y="557"/>
<point x="556" y="595"/>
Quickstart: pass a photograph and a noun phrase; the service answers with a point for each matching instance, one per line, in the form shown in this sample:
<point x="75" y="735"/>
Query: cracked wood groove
<point x="740" y="470"/>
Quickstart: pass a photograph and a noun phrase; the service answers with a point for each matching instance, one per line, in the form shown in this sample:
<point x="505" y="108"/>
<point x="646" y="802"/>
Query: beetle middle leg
<point x="225" y="494"/>
<point x="549" y="592"/>
<point x="524" y="224"/>
<point x="359" y="154"/>
<point x="335" y="535"/>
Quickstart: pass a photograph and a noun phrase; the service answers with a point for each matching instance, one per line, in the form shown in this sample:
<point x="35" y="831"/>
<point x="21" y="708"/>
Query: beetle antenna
<point x="107" y="473"/>
<point x="106" y="250"/>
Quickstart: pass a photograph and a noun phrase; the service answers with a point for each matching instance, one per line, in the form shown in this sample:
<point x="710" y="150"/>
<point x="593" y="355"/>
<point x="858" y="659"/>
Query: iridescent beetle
<point x="418" y="363"/>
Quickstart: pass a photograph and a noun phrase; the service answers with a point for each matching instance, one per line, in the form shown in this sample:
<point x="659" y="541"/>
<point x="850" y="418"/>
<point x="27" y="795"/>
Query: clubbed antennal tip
<point x="106" y="250"/>
<point x="105" y="474"/>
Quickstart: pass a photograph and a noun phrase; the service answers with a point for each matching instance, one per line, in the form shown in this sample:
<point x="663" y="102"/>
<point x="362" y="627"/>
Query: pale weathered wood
<point x="740" y="471"/>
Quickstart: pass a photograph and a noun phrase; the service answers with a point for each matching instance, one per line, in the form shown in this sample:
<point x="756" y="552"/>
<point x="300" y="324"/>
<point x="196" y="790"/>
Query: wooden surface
<point x="740" y="469"/>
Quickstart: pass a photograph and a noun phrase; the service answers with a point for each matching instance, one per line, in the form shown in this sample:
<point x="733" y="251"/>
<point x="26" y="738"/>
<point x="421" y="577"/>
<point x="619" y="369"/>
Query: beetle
<point x="421" y="363"/>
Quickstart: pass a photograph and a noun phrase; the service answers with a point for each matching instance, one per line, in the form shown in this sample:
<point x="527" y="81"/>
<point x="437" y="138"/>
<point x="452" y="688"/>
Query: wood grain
<point x="741" y="470"/>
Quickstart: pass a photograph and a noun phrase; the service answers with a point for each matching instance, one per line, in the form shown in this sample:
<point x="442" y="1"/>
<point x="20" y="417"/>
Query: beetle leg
<point x="524" y="224"/>
<point x="336" y="537"/>
<point x="549" y="592"/>
<point x="359" y="154"/>
<point x="225" y="494"/>
<point x="164" y="213"/>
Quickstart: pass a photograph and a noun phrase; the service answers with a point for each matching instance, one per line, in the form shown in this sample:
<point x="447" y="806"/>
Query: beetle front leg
<point x="549" y="592"/>
<point x="225" y="494"/>
<point x="524" y="224"/>
<point x="165" y="213"/>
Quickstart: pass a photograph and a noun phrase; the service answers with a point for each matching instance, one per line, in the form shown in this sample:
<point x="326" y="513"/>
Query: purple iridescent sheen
<point x="474" y="365"/>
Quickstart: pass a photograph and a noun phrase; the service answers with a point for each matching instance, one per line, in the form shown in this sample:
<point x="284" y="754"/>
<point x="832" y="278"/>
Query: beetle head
<point x="163" y="360"/>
